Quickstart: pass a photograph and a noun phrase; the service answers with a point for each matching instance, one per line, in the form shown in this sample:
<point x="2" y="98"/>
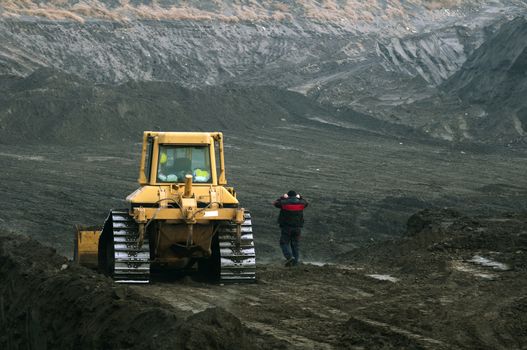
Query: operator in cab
<point x="175" y="169"/>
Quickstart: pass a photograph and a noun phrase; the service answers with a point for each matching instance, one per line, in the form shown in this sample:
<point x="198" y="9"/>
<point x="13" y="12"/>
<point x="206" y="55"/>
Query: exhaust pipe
<point x="188" y="186"/>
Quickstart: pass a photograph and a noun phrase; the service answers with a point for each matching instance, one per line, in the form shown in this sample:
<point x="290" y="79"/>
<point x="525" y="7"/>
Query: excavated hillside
<point x="484" y="100"/>
<point x="52" y="107"/>
<point x="370" y="56"/>
<point x="495" y="78"/>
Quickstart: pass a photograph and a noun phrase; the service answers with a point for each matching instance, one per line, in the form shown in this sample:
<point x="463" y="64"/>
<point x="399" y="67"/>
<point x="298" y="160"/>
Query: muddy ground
<point x="47" y="302"/>
<point x="432" y="293"/>
<point x="424" y="288"/>
<point x="361" y="186"/>
<point x="451" y="282"/>
<point x="386" y="287"/>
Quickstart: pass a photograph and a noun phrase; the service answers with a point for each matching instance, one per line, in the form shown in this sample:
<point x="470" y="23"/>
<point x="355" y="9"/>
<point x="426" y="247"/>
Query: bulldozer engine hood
<point x="202" y="194"/>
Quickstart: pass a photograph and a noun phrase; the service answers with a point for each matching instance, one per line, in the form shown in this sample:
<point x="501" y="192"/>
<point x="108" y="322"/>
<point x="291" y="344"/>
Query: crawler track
<point x="125" y="262"/>
<point x="130" y="263"/>
<point x="238" y="263"/>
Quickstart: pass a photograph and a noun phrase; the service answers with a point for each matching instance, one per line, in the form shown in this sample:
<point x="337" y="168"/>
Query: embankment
<point x="47" y="302"/>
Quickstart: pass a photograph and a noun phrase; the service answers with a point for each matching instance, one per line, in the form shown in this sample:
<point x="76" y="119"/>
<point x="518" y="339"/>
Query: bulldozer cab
<point x="170" y="157"/>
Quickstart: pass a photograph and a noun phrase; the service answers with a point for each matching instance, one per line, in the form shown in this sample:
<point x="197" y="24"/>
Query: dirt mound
<point x="472" y="270"/>
<point x="454" y="282"/>
<point x="435" y="237"/>
<point x="48" y="303"/>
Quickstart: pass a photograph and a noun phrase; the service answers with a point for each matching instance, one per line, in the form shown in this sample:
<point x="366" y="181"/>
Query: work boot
<point x="290" y="262"/>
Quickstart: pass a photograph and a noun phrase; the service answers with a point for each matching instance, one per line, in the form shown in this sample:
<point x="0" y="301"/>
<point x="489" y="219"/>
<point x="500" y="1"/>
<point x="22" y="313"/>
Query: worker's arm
<point x="304" y="201"/>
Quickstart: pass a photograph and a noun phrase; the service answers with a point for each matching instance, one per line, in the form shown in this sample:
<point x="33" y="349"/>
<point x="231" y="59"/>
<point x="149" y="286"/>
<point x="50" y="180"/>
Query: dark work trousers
<point x="290" y="241"/>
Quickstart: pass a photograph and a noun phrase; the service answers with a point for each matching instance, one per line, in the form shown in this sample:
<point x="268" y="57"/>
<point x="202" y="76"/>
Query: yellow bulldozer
<point x="183" y="216"/>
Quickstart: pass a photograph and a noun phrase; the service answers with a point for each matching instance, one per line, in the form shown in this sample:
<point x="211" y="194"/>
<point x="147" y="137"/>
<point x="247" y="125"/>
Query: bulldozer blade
<point x="86" y="245"/>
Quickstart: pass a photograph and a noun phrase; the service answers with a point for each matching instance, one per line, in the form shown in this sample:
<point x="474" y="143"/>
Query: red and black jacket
<point x="291" y="211"/>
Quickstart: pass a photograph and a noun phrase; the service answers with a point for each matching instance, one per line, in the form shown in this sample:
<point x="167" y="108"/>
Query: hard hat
<point x="200" y="172"/>
<point x="201" y="175"/>
<point x="163" y="158"/>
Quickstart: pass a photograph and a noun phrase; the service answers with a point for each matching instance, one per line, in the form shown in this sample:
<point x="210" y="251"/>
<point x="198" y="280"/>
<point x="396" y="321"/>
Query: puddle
<point x="384" y="278"/>
<point x="23" y="157"/>
<point x="338" y="266"/>
<point x="477" y="259"/>
<point x="103" y="159"/>
<point x="281" y="147"/>
<point x="316" y="263"/>
<point x="474" y="270"/>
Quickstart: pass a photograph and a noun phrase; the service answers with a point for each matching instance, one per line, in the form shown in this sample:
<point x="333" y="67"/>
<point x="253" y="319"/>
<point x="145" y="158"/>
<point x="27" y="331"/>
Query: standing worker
<point x="291" y="220"/>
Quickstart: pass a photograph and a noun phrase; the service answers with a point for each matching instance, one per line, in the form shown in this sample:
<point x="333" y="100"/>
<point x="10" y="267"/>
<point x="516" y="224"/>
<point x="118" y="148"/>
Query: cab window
<point x="175" y="162"/>
<point x="148" y="157"/>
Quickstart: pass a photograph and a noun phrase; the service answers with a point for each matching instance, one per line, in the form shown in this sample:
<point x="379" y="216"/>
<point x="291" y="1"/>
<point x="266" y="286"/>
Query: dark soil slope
<point x="473" y="270"/>
<point x="484" y="101"/>
<point x="432" y="234"/>
<point x="47" y="303"/>
<point x="495" y="77"/>
<point x="497" y="69"/>
<point x="53" y="107"/>
<point x="453" y="282"/>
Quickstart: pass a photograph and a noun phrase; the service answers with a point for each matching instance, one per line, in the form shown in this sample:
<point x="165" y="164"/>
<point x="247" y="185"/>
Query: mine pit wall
<point x="46" y="302"/>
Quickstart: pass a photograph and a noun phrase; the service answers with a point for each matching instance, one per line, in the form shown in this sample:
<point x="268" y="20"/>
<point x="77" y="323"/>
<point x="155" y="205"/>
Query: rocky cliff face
<point x="301" y="44"/>
<point x="483" y="100"/>
<point x="370" y="56"/>
<point x="495" y="78"/>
